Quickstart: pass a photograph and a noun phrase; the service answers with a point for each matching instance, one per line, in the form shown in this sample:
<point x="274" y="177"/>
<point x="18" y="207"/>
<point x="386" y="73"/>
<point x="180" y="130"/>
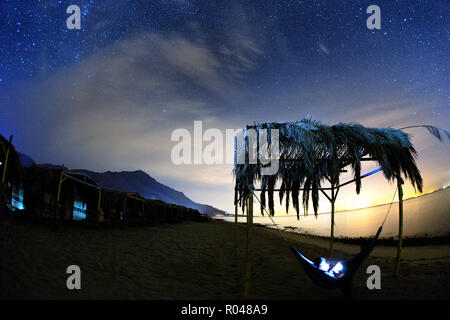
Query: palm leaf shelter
<point x="312" y="156"/>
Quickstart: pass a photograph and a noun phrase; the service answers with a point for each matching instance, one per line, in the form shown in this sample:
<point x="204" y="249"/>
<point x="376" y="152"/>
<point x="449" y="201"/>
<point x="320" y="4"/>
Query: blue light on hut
<point x="79" y="210"/>
<point x="17" y="199"/>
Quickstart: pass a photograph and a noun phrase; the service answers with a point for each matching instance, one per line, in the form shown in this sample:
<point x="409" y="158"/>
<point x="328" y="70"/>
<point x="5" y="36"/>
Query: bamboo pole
<point x="400" y="226"/>
<point x="5" y="165"/>
<point x="124" y="209"/>
<point x="99" y="204"/>
<point x="62" y="178"/>
<point x="248" y="272"/>
<point x="333" y="198"/>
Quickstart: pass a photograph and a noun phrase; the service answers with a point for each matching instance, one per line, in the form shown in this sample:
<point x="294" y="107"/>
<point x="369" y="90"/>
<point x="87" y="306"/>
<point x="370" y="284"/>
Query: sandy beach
<point x="194" y="260"/>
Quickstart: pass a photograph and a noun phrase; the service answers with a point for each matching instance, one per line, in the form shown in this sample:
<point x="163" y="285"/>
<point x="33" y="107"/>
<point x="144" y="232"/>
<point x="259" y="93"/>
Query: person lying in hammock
<point x="336" y="269"/>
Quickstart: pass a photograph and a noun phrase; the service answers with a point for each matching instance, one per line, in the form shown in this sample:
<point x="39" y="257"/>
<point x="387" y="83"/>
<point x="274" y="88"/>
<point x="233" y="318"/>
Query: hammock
<point x="330" y="279"/>
<point x="333" y="278"/>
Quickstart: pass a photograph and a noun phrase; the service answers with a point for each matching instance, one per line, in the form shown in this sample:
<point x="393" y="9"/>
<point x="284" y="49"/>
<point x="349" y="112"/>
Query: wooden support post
<point x="248" y="273"/>
<point x="58" y="197"/>
<point x="5" y="165"/>
<point x="99" y="200"/>
<point x="61" y="180"/>
<point x="124" y="209"/>
<point x="99" y="204"/>
<point x="400" y="226"/>
<point x="333" y="198"/>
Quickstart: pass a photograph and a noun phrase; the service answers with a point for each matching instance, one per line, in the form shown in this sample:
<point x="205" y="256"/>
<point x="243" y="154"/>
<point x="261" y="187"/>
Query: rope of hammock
<point x="390" y="205"/>
<point x="276" y="226"/>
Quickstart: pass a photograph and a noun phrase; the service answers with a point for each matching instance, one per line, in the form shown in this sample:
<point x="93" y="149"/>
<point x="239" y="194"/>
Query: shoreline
<point x="414" y="241"/>
<point x="428" y="251"/>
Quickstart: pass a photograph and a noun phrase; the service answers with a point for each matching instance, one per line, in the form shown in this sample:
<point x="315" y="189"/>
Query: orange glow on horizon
<point x="355" y="202"/>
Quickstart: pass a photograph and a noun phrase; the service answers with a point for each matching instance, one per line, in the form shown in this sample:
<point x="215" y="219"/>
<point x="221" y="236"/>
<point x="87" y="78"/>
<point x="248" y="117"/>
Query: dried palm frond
<point x="311" y="152"/>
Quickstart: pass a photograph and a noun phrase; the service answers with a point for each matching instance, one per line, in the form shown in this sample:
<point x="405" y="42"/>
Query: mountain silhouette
<point x="137" y="181"/>
<point x="148" y="187"/>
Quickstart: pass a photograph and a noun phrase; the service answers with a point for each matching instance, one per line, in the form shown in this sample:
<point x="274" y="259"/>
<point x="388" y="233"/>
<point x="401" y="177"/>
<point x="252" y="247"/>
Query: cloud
<point x="116" y="109"/>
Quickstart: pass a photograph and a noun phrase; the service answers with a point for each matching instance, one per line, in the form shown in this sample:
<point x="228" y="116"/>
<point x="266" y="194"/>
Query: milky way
<point x="109" y="95"/>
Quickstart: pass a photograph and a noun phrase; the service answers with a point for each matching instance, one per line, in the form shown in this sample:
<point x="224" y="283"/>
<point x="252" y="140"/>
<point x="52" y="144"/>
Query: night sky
<point x="108" y="96"/>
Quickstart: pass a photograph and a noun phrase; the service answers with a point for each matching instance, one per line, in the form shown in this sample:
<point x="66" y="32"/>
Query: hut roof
<point x="311" y="153"/>
<point x="47" y="178"/>
<point x="135" y="196"/>
<point x="81" y="178"/>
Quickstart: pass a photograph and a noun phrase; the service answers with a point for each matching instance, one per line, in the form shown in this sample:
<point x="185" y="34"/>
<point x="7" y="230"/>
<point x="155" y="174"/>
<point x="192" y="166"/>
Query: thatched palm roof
<point x="311" y="153"/>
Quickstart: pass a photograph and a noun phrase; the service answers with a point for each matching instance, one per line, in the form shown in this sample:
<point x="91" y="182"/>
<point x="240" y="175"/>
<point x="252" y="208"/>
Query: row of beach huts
<point x="57" y="194"/>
